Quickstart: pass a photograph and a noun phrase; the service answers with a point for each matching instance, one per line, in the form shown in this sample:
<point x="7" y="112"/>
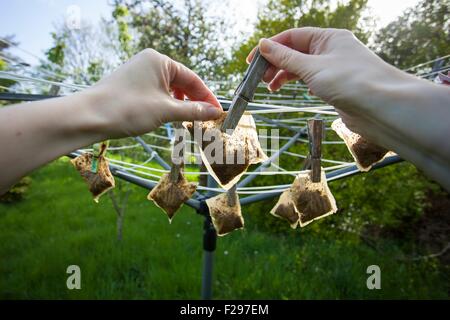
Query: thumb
<point x="284" y="57"/>
<point x="193" y="110"/>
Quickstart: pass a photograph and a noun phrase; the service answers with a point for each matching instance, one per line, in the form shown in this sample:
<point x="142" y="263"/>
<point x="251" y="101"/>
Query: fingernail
<point x="211" y="112"/>
<point x="265" y="46"/>
<point x="269" y="86"/>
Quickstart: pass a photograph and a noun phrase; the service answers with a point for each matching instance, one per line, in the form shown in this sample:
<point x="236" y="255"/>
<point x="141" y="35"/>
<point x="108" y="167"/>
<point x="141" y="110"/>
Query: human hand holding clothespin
<point x="245" y="91"/>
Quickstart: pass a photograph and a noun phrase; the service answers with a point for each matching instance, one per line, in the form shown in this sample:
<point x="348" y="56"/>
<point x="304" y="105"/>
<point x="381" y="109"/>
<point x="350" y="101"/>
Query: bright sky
<point x="32" y="20"/>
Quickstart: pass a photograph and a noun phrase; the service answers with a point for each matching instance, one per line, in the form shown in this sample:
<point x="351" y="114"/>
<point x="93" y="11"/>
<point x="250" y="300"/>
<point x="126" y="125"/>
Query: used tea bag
<point x="173" y="189"/>
<point x="225" y="217"/>
<point x="285" y="209"/>
<point x="365" y="153"/>
<point x="95" y="171"/>
<point x="169" y="195"/>
<point x="313" y="200"/>
<point x="241" y="149"/>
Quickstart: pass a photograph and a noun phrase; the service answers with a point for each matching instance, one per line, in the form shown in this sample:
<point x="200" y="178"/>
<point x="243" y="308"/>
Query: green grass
<point x="58" y="224"/>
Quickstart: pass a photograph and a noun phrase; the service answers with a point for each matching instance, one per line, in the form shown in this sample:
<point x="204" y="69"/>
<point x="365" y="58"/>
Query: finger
<point x="178" y="94"/>
<point x="250" y="55"/>
<point x="193" y="110"/>
<point x="299" y="39"/>
<point x="186" y="81"/>
<point x="280" y="79"/>
<point x="286" y="58"/>
<point x="270" y="74"/>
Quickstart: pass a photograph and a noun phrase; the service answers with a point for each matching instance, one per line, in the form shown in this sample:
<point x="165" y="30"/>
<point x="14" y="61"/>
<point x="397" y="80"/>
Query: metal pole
<point x="141" y="182"/>
<point x="209" y="245"/>
<point x="266" y="163"/>
<point x="157" y="157"/>
<point x="153" y="153"/>
<point x="331" y="176"/>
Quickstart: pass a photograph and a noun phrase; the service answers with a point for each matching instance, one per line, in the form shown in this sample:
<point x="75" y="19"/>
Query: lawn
<point x="58" y="225"/>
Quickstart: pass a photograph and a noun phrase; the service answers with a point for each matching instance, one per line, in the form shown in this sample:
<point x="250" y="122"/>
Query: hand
<point x="149" y="90"/>
<point x="334" y="64"/>
<point x="385" y="105"/>
<point x="133" y="100"/>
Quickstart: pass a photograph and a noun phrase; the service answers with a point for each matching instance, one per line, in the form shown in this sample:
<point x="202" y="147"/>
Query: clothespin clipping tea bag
<point x="226" y="156"/>
<point x="173" y="189"/>
<point x="309" y="197"/>
<point x="225" y="212"/>
<point x="94" y="168"/>
<point x="285" y="209"/>
<point x="365" y="153"/>
<point x="313" y="200"/>
<point x="305" y="201"/>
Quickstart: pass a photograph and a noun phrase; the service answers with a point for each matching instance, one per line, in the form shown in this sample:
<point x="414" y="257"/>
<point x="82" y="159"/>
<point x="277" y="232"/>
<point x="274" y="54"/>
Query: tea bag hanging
<point x="313" y="200"/>
<point x="173" y="189"/>
<point x="94" y="168"/>
<point x="225" y="212"/>
<point x="310" y="192"/>
<point x="285" y="209"/>
<point x="227" y="156"/>
<point x="309" y="197"/>
<point x="365" y="153"/>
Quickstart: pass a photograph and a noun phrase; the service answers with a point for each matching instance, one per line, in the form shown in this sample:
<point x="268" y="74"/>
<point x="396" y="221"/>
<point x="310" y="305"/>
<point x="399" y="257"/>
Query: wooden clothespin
<point x="315" y="133"/>
<point x="177" y="165"/>
<point x="245" y="91"/>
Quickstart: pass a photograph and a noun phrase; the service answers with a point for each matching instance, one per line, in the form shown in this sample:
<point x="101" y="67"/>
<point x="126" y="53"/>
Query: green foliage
<point x="4" y="82"/>
<point x="4" y="65"/>
<point x="280" y="15"/>
<point x="83" y="55"/>
<point x="120" y="14"/>
<point x="96" y="70"/>
<point x="56" y="53"/>
<point x="386" y="197"/>
<point x="185" y="34"/>
<point x="420" y="34"/>
<point x="17" y="192"/>
<point x="41" y="237"/>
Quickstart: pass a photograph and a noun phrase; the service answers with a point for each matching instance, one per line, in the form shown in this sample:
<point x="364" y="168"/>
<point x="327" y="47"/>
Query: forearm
<point x="32" y="134"/>
<point x="411" y="117"/>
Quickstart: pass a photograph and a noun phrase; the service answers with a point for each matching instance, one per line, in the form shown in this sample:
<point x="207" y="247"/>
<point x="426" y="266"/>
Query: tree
<point x="280" y="15"/>
<point x="7" y="60"/>
<point x="185" y="33"/>
<point x="420" y="34"/>
<point x="83" y="55"/>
